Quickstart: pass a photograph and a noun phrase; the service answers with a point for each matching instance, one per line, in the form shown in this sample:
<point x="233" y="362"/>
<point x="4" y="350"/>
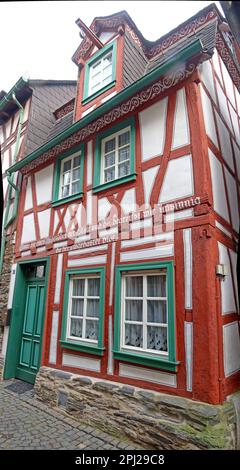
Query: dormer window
<point x="100" y="72"/>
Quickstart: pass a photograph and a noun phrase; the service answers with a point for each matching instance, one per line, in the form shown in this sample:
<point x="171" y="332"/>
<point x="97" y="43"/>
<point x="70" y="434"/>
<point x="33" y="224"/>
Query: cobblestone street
<point x="26" y="423"/>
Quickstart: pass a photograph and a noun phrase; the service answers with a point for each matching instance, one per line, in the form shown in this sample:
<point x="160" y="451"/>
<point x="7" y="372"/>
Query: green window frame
<point x="56" y="199"/>
<point x="155" y="360"/>
<point x="98" y="185"/>
<point x="90" y="63"/>
<point x="83" y="344"/>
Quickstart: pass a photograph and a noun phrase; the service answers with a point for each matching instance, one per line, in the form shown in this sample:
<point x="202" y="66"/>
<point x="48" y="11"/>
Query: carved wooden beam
<point x="89" y="33"/>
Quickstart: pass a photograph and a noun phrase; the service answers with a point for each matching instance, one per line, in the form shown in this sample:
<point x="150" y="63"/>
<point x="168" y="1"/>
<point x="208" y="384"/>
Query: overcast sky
<point x="39" y="38"/>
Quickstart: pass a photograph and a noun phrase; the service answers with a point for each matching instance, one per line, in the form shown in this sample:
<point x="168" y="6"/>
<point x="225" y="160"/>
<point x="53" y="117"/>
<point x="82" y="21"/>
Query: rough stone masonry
<point x="150" y="419"/>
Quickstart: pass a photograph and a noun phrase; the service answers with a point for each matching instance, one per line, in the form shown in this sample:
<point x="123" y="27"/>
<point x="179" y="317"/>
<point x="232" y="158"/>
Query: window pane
<point x="123" y="169"/>
<point x="93" y="287"/>
<point x="156" y="286"/>
<point x="109" y="146"/>
<point x="66" y="178"/>
<point x="124" y="153"/>
<point x="76" y="328"/>
<point x="77" y="307"/>
<point x="106" y="80"/>
<point x="91" y="329"/>
<point x="76" y="161"/>
<point x="67" y="165"/>
<point x="156" y="311"/>
<point x="78" y="287"/>
<point x="109" y="159"/>
<point x="93" y="308"/>
<point x="65" y="190"/>
<point x="107" y="72"/>
<point x="95" y="68"/>
<point x="134" y="286"/>
<point x="76" y="174"/>
<point x="157" y="338"/>
<point x="109" y="175"/>
<point x="133" y="310"/>
<point x="107" y="60"/>
<point x="133" y="335"/>
<point x="124" y="139"/>
<point x="75" y="187"/>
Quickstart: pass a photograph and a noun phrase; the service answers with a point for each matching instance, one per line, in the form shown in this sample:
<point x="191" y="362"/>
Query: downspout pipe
<point x="10" y="179"/>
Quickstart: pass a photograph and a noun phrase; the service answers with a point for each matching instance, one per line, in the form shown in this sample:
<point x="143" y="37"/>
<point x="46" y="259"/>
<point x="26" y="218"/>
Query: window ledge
<point x="99" y="92"/>
<point x="157" y="363"/>
<point x="82" y="347"/>
<point x="110" y="184"/>
<point x="59" y="202"/>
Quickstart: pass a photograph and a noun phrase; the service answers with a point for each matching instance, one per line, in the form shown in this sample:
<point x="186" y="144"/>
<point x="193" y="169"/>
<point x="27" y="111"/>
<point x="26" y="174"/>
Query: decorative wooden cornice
<point x="125" y="108"/>
<point x="65" y="109"/>
<point x="228" y="60"/>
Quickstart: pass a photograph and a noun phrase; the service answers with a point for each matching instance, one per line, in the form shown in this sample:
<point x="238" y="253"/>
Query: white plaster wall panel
<point x="217" y="66"/>
<point x="148" y="253"/>
<point x="87" y="261"/>
<point x="108" y="232"/>
<point x="89" y="161"/>
<point x="208" y="117"/>
<point x="225" y="142"/>
<point x="149" y="239"/>
<point x="178" y="179"/>
<point x="44" y="181"/>
<point x="228" y="83"/>
<point x="56" y="220"/>
<point x="224" y="107"/>
<point x="179" y="215"/>
<point x="15" y="121"/>
<point x="237" y="94"/>
<point x="108" y="97"/>
<point x="233" y="199"/>
<point x="104" y="207"/>
<point x="26" y="110"/>
<point x="28" y="232"/>
<point x="26" y="253"/>
<point x="237" y="157"/>
<point x="181" y="126"/>
<point x="128" y="203"/>
<point x="8" y="128"/>
<point x="233" y="257"/>
<point x="81" y="362"/>
<point x="89" y="207"/>
<point x="235" y="123"/>
<point x="4" y="341"/>
<point x="219" y="194"/>
<point x="188" y="340"/>
<point x="53" y="338"/>
<point x="148" y="375"/>
<point x="141" y="224"/>
<point x="187" y="242"/>
<point x="58" y="279"/>
<point x="227" y="292"/>
<point x="5" y="161"/>
<point x="5" y="186"/>
<point x="44" y="222"/>
<point x="148" y="182"/>
<point x="91" y="249"/>
<point x="153" y="129"/>
<point x="28" y="197"/>
<point x="67" y="218"/>
<point x="231" y="348"/>
<point x="13" y="147"/>
<point x="11" y="285"/>
<point x="60" y="244"/>
<point x="207" y="78"/>
<point x="88" y="111"/>
<point x="223" y="229"/>
<point x="113" y="251"/>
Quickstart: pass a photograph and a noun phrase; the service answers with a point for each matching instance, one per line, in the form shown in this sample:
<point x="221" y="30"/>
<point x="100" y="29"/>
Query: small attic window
<point x="100" y="72"/>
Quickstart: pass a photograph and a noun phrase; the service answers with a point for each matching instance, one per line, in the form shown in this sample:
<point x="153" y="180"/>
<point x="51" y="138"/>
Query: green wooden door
<point x="30" y="343"/>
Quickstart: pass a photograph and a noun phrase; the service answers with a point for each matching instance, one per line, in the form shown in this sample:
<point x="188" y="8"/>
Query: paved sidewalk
<point x="26" y="423"/>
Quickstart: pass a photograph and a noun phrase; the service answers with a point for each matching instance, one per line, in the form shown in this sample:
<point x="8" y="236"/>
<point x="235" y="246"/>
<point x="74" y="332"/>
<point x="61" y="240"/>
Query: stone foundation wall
<point x="150" y="419"/>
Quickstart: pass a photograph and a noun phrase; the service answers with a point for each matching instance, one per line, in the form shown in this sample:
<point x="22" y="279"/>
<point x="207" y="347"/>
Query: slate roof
<point x="60" y="125"/>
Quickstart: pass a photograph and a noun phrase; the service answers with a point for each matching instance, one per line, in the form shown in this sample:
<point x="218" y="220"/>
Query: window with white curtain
<point x="145" y="312"/>
<point x="70" y="176"/>
<point x="100" y="73"/>
<point x="115" y="155"/>
<point x="83" y="309"/>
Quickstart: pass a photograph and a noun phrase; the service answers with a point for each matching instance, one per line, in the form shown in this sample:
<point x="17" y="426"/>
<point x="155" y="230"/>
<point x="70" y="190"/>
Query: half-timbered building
<point x="124" y="270"/>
